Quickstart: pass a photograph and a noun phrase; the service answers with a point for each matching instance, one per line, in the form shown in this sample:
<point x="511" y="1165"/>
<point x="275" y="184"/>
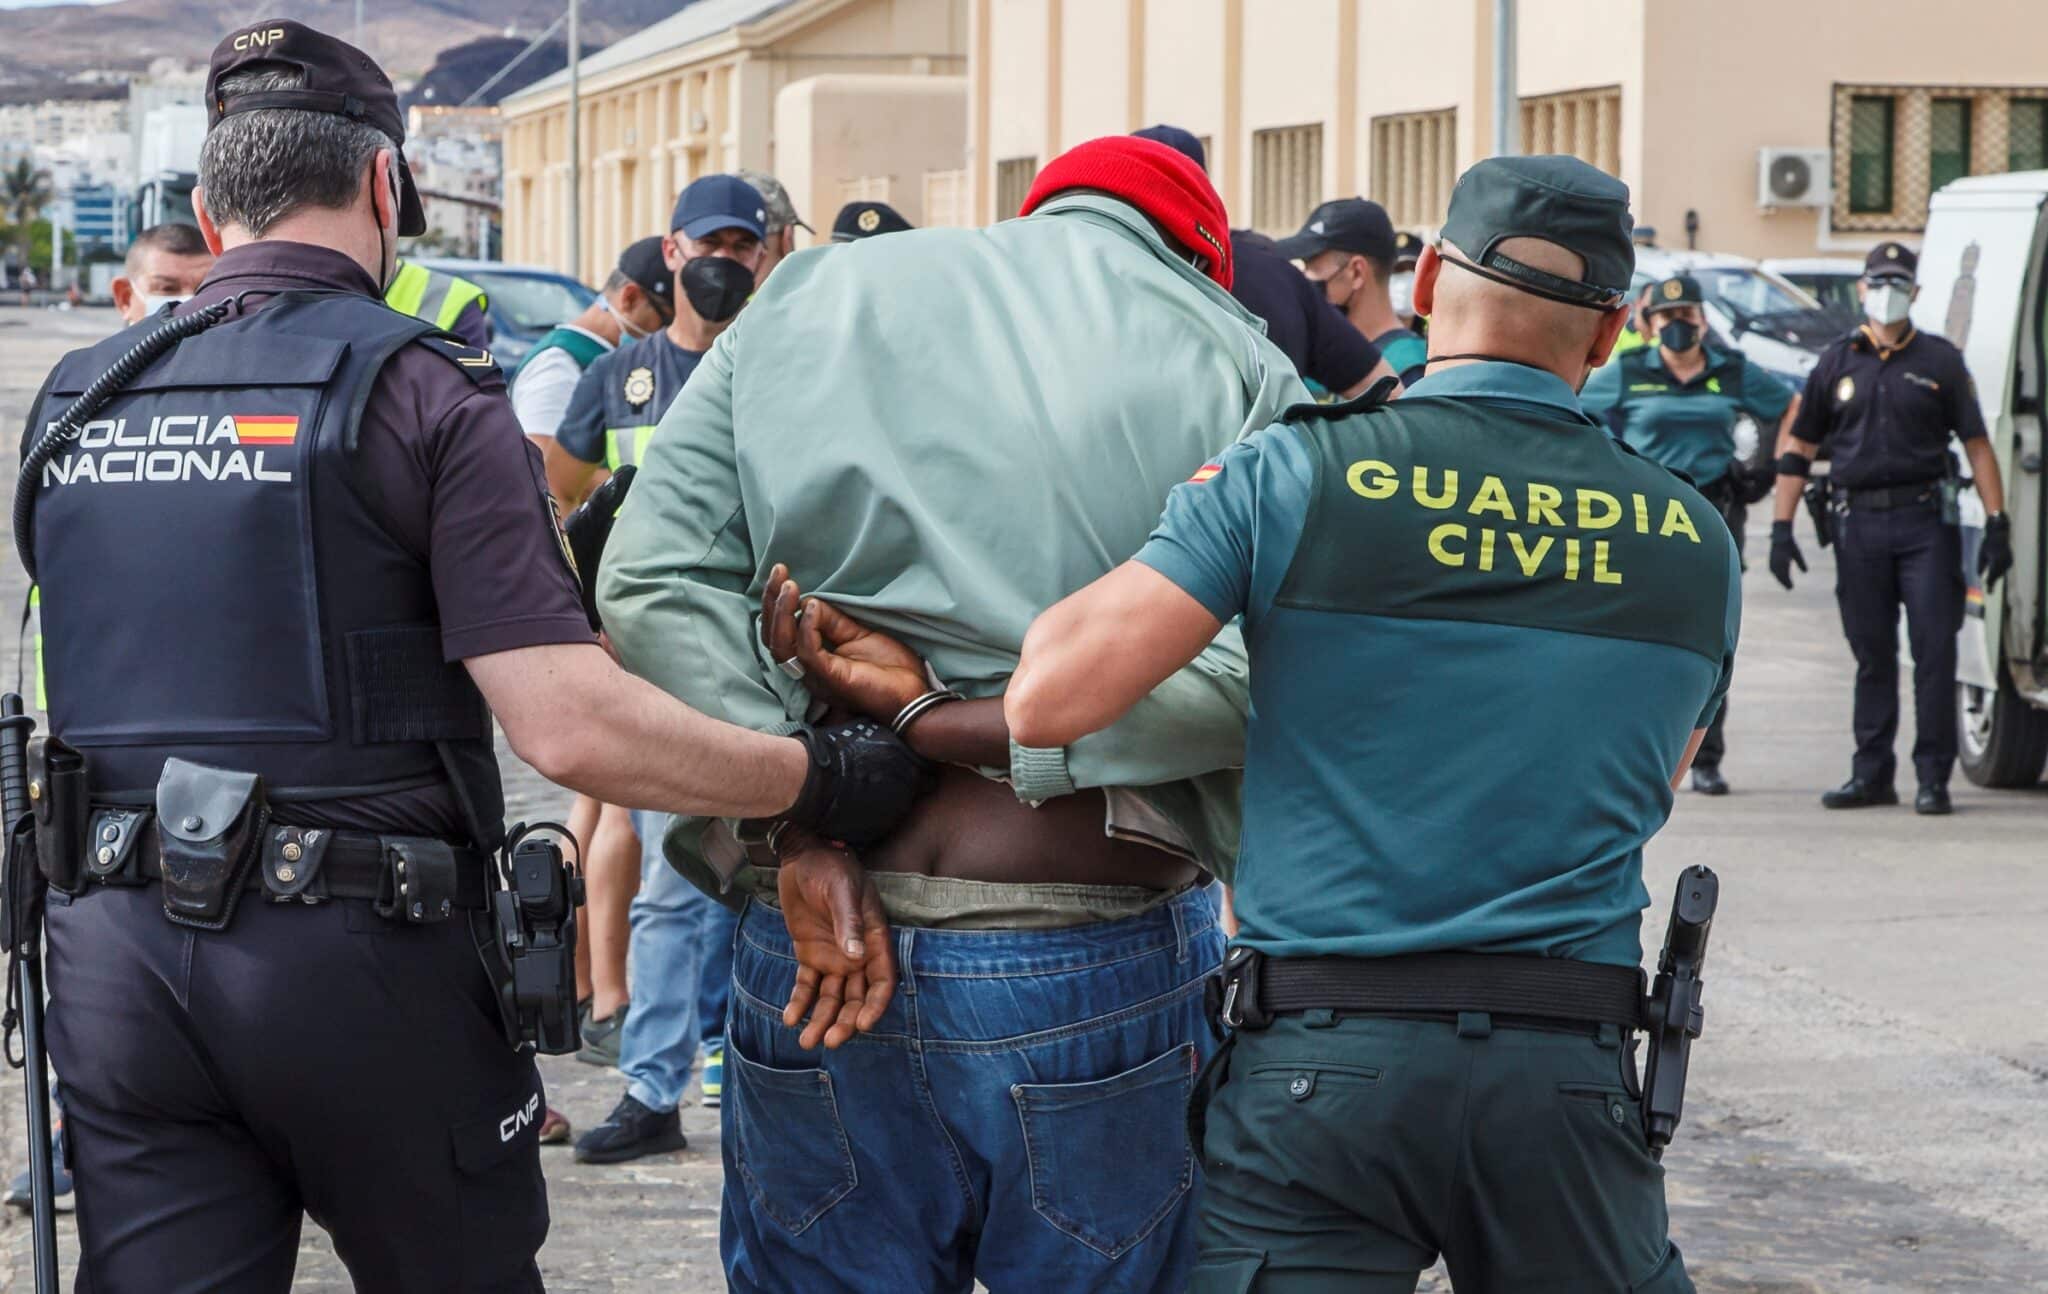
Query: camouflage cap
<point x="1558" y="199"/>
<point x="781" y="211"/>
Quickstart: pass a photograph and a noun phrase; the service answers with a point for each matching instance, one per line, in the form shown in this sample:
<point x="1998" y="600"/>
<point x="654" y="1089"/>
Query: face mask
<point x="1679" y="335"/>
<point x="717" y="286"/>
<point x="1887" y="305"/>
<point x="625" y="326"/>
<point x="1323" y="286"/>
<point x="154" y="305"/>
<point x="1401" y="292"/>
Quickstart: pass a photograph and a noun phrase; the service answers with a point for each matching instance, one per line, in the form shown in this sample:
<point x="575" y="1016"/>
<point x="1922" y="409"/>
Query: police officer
<point x="286" y="567"/>
<point x="1676" y="403"/>
<point x="713" y="249"/>
<point x="1347" y="249"/>
<point x="858" y="220"/>
<point x="1436" y="972"/>
<point x="447" y="301"/>
<point x="1886" y="399"/>
<point x="1401" y="287"/>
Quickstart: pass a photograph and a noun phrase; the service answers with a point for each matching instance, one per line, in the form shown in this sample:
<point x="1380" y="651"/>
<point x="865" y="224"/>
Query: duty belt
<point x="1883" y="498"/>
<point x="412" y="878"/>
<point x="1256" y="988"/>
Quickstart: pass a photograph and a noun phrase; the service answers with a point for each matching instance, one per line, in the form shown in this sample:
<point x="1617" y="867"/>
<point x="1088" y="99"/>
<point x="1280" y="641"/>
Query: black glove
<point x="1784" y="552"/>
<point x="587" y="529"/>
<point x="862" y="780"/>
<point x="1994" y="554"/>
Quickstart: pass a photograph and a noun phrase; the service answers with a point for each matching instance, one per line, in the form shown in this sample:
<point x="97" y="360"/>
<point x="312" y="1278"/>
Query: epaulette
<point x="1374" y="397"/>
<point x="479" y="366"/>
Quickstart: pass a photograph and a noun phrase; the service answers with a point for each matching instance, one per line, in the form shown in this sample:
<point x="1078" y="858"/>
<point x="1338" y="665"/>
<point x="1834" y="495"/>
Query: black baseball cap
<point x="1678" y="290"/>
<point x="1407" y="247"/>
<point x="1891" y="261"/>
<point x="1346" y="225"/>
<point x="714" y="202"/>
<point x="1554" y="198"/>
<point x="643" y="265"/>
<point x="1180" y="141"/>
<point x="866" y="220"/>
<point x="339" y="79"/>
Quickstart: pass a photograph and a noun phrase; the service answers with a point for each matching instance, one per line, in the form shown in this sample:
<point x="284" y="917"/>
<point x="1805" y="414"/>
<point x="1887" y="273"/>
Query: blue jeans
<point x="1019" y="1116"/>
<point x="679" y="961"/>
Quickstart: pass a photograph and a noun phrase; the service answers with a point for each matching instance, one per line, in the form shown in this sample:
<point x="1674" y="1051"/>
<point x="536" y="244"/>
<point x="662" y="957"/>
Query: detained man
<point x="166" y="263"/>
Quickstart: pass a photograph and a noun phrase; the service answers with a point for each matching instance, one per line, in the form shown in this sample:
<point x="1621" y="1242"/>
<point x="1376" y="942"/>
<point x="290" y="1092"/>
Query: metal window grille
<point x="1287" y="177"/>
<point x="1583" y="123"/>
<point x="1948" y="145"/>
<point x="1013" y="184"/>
<point x="2026" y="138"/>
<point x="1414" y="164"/>
<point x="948" y="199"/>
<point x="1871" y="132"/>
<point x="1895" y="144"/>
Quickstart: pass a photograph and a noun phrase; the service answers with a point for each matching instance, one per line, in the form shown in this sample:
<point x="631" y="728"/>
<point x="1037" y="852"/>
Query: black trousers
<point x="1884" y="560"/>
<point x="308" y="1060"/>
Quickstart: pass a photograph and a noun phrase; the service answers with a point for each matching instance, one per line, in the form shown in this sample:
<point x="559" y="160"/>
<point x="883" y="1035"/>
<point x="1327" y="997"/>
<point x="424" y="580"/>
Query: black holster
<point x="57" y="796"/>
<point x="209" y="828"/>
<point x="1820" y="507"/>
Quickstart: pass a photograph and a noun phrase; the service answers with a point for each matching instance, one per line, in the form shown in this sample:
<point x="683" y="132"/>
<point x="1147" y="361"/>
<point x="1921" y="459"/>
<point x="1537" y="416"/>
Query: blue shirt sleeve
<point x="1229" y="535"/>
<point x="582" y="428"/>
<point x="1603" y="389"/>
<point x="1764" y="393"/>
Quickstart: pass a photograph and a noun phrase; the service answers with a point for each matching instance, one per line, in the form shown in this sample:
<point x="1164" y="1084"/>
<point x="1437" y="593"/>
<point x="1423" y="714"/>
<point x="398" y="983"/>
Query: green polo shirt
<point x="1687" y="426"/>
<point x="1481" y="635"/>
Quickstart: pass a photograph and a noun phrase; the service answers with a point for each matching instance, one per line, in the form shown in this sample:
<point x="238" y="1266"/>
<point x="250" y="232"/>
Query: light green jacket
<point x="944" y="432"/>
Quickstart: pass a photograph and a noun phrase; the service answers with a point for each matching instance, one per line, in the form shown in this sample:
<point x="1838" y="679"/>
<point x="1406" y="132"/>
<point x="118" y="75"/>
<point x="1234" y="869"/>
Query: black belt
<point x="1541" y="988"/>
<point x="1882" y="498"/>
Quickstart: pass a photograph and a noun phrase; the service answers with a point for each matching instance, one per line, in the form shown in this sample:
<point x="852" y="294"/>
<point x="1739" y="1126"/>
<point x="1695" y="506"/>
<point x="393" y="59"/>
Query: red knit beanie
<point x="1155" y="179"/>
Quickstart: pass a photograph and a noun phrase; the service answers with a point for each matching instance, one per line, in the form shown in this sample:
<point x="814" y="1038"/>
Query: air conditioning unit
<point x="1794" y="177"/>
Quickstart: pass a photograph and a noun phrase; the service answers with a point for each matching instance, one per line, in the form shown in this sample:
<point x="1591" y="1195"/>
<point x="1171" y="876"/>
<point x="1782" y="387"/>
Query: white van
<point x="1984" y="286"/>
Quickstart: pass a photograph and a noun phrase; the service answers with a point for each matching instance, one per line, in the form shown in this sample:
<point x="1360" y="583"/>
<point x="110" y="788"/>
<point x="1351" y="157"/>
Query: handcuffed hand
<point x="846" y="966"/>
<point x="845" y="664"/>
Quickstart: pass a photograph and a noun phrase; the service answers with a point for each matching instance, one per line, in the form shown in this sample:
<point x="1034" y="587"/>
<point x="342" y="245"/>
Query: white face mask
<point x="631" y="333"/>
<point x="1401" y="292"/>
<point x="1887" y="305"/>
<point x="151" y="306"/>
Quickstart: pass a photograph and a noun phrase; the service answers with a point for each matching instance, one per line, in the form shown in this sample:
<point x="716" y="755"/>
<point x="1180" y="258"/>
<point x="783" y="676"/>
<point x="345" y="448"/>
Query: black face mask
<point x="1679" y="335"/>
<point x="717" y="286"/>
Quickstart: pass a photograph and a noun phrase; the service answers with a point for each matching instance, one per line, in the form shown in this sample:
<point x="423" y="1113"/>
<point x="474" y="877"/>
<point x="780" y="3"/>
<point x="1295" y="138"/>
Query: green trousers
<point x="1347" y="1154"/>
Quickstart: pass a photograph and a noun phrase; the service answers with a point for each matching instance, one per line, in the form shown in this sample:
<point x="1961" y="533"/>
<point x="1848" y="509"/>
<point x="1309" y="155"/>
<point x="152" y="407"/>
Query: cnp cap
<point x="337" y="78"/>
<point x="1407" y="248"/>
<point x="715" y="202"/>
<point x="775" y="200"/>
<point x="1180" y="141"/>
<point x="1345" y="225"/>
<point x="867" y="219"/>
<point x="1891" y="261"/>
<point x="1678" y="290"/>
<point x="1558" y="199"/>
<point x="642" y="264"/>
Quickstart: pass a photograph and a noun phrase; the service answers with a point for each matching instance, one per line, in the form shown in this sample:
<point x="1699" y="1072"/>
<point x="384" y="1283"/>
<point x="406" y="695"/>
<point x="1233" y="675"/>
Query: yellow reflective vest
<point x="431" y="295"/>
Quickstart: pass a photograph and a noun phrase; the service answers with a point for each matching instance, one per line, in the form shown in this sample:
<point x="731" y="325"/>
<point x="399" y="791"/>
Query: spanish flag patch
<point x="1207" y="470"/>
<point x="266" y="429"/>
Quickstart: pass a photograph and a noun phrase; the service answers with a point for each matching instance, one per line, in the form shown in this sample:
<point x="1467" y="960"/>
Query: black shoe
<point x="630" y="1131"/>
<point x="1933" y="801"/>
<point x="1858" y="794"/>
<point x="1708" y="781"/>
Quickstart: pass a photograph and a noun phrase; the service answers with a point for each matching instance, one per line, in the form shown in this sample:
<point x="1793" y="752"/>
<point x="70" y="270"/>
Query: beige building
<point x="715" y="88"/>
<point x="1779" y="127"/>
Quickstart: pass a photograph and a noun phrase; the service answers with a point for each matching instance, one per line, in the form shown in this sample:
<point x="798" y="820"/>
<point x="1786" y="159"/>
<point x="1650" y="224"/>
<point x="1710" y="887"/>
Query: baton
<point x="15" y="725"/>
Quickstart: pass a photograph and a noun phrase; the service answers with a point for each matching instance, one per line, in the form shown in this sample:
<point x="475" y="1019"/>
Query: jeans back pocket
<point x="791" y="1146"/>
<point x="1110" y="1159"/>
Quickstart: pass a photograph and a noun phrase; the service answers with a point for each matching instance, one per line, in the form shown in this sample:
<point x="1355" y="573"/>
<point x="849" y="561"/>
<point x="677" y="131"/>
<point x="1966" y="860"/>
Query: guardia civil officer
<point x="1676" y="403"/>
<point x="1886" y="399"/>
<point x="858" y="220"/>
<point x="285" y="569"/>
<point x="1436" y="972"/>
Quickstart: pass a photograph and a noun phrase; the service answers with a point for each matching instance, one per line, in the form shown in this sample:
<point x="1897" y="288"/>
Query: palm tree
<point x="24" y="192"/>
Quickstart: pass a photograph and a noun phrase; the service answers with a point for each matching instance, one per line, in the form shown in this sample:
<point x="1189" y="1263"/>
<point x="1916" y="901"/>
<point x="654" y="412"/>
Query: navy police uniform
<point x="1885" y="414"/>
<point x="270" y="553"/>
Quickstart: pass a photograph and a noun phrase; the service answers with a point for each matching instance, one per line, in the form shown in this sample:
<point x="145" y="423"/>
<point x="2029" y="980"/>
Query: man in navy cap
<point x="1347" y="249"/>
<point x="858" y="220"/>
<point x="1437" y="967"/>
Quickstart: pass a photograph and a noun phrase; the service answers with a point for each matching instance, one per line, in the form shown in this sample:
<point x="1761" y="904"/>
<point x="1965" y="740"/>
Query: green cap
<point x="1678" y="290"/>
<point x="1558" y="199"/>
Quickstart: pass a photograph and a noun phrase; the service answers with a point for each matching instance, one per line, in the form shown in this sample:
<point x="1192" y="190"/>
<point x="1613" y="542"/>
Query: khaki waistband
<point x="948" y="903"/>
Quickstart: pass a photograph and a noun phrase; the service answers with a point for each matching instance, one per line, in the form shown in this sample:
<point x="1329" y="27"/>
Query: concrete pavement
<point x="1868" y="1110"/>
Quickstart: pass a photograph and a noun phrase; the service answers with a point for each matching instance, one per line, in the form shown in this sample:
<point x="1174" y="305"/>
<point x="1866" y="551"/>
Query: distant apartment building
<point x="839" y="99"/>
<point x="457" y="161"/>
<point x="166" y="118"/>
<point x="1767" y="128"/>
<point x="27" y="126"/>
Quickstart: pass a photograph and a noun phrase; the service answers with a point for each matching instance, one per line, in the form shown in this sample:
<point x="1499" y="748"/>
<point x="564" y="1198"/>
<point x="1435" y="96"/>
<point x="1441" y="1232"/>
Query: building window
<point x="2026" y="139"/>
<point x="1287" y="177"/>
<point x="1870" y="153"/>
<point x="1584" y="123"/>
<point x="1948" y="144"/>
<point x="1414" y="164"/>
<point x="1013" y="184"/>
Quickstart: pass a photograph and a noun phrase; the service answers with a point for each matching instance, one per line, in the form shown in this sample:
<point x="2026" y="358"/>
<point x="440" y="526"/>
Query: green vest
<point x="582" y="347"/>
<point x="431" y="295"/>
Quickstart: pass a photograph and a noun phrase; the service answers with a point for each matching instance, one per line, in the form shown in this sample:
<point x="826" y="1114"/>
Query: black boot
<point x="1933" y="801"/>
<point x="1708" y="780"/>
<point x="1858" y="794"/>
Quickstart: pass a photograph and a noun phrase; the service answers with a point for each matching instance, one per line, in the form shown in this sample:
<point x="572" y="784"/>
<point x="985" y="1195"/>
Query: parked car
<point x="1830" y="280"/>
<point x="525" y="301"/>
<point x="1984" y="286"/>
<point x="1775" y="323"/>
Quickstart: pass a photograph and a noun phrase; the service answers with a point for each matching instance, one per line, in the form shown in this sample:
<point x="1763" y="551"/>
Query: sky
<point x="37" y="4"/>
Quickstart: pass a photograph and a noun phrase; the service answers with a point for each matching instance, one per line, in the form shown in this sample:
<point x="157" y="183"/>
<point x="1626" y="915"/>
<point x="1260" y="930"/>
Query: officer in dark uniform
<point x="1676" y="403"/>
<point x="1436" y="973"/>
<point x="858" y="220"/>
<point x="1886" y="399"/>
<point x="286" y="567"/>
<point x="1347" y="249"/>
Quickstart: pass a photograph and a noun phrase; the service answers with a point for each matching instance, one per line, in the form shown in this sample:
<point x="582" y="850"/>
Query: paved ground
<point x="1869" y="1110"/>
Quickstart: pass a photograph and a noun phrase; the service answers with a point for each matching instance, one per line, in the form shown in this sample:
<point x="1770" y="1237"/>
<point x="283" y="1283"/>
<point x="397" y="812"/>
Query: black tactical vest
<point x="217" y="586"/>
